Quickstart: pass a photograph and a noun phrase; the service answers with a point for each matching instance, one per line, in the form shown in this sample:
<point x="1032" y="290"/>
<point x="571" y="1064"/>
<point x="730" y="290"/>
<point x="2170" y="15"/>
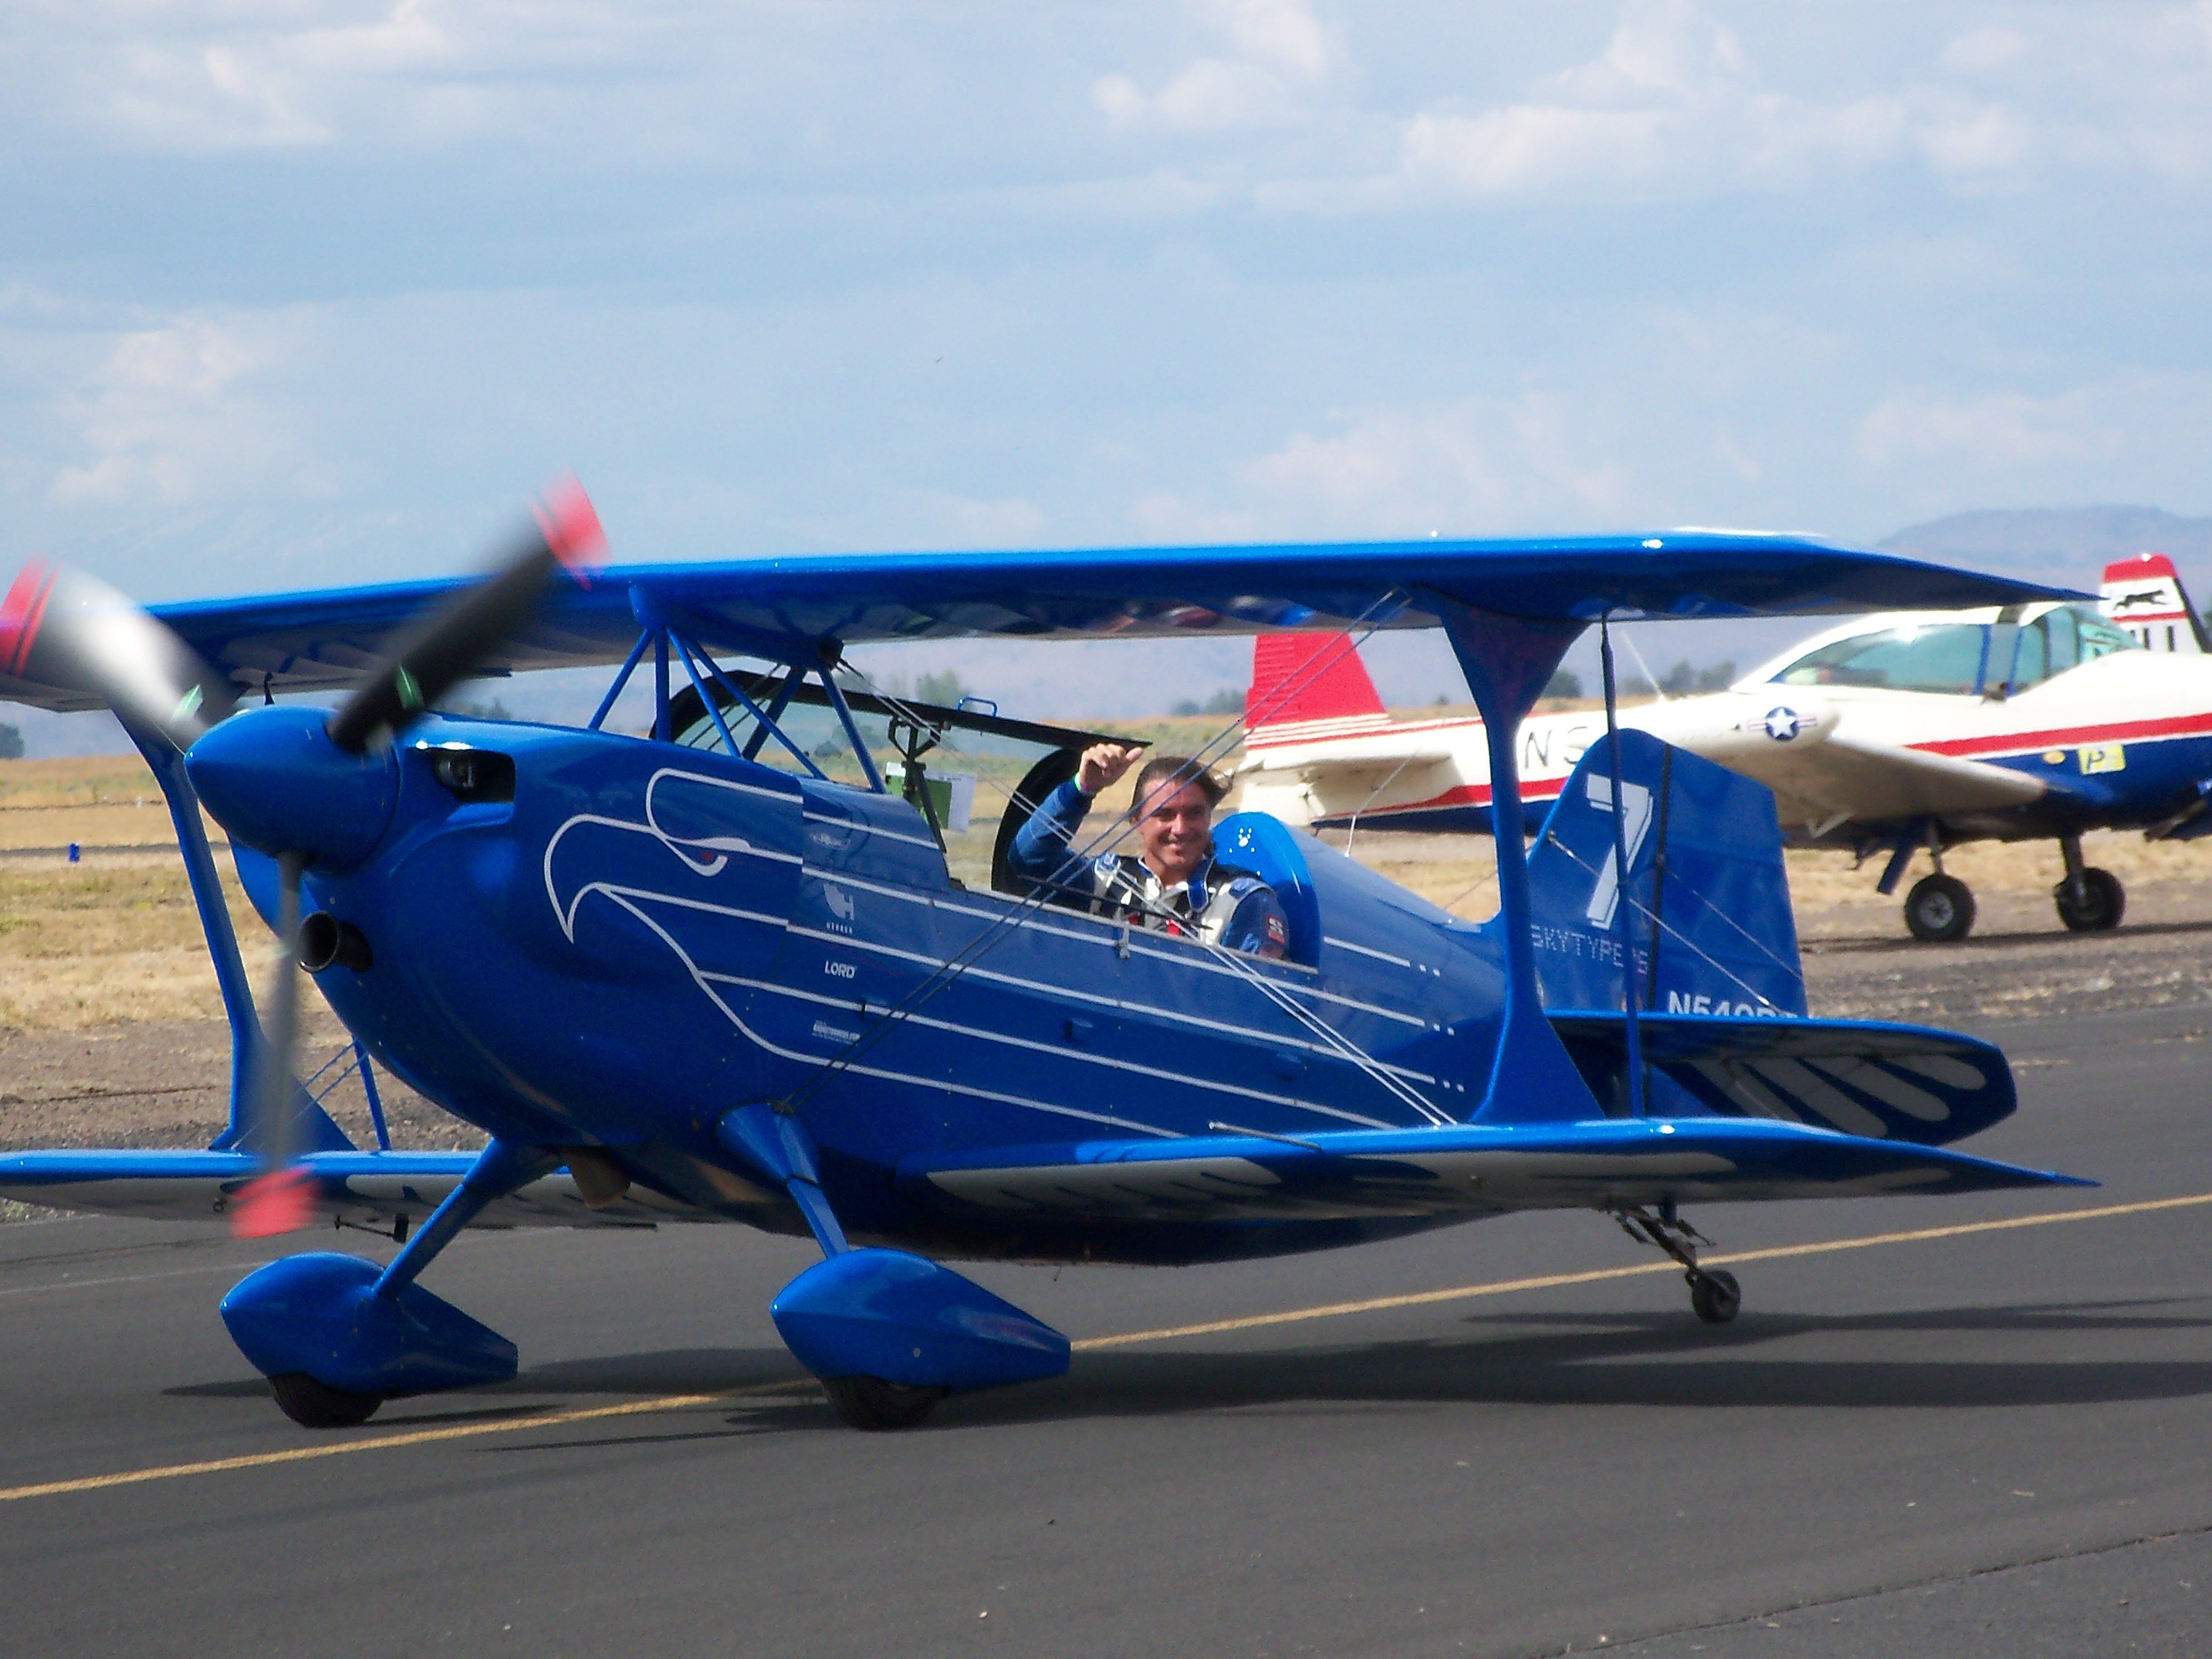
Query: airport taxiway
<point x="1965" y="1426"/>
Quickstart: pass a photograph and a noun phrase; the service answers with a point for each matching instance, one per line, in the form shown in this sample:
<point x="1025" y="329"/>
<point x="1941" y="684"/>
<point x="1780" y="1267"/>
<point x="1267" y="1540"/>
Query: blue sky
<point x="294" y="293"/>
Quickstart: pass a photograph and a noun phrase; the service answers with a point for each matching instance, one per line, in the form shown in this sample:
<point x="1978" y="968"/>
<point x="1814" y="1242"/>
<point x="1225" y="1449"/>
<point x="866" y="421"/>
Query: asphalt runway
<point x="1940" y="1435"/>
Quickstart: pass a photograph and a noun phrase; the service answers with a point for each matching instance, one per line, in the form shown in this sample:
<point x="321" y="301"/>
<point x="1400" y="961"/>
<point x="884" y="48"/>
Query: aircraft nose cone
<point x="275" y="780"/>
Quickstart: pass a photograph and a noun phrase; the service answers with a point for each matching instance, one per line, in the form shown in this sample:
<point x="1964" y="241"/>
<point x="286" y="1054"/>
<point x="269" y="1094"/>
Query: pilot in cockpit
<point x="1175" y="884"/>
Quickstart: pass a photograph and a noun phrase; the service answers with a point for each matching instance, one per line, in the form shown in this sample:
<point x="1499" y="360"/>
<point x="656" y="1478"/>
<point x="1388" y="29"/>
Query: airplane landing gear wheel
<point x="314" y="1405"/>
<point x="870" y="1402"/>
<point x="1940" y="909"/>
<point x="1715" y="1296"/>
<point x="2099" y="904"/>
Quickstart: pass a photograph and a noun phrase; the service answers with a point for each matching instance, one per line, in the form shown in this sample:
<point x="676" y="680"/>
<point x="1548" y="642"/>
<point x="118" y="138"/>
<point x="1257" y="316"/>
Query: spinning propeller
<point x="302" y="789"/>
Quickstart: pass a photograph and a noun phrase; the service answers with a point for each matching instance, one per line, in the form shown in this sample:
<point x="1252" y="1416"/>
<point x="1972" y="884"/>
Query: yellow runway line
<point x="670" y="1402"/>
<point x="1553" y="1281"/>
<point x="1290" y="1316"/>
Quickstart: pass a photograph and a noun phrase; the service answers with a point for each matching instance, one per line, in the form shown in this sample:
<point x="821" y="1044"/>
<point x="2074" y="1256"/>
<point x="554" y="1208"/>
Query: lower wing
<point x="370" y="1190"/>
<point x="1467" y="1168"/>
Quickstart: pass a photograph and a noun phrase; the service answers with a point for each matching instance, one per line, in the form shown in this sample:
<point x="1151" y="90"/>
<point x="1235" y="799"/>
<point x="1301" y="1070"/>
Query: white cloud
<point x="1467" y="466"/>
<point x="1675" y="108"/>
<point x="232" y="75"/>
<point x="177" y="415"/>
<point x="1283" y="58"/>
<point x="2131" y="433"/>
<point x="1986" y="50"/>
<point x="1997" y="432"/>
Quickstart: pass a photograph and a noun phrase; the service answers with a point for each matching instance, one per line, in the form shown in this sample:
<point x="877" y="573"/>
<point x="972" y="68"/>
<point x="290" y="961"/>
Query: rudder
<point x="1300" y="679"/>
<point x="2144" y="595"/>
<point x="1710" y="913"/>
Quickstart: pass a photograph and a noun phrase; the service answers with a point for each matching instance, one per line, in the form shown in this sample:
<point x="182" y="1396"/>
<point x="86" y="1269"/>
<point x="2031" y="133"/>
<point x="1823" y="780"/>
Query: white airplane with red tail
<point x="1886" y="735"/>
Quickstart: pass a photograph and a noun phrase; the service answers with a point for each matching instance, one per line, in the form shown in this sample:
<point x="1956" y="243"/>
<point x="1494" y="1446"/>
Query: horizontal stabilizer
<point x="1881" y="1082"/>
<point x="1465" y="1168"/>
<point x="372" y="1190"/>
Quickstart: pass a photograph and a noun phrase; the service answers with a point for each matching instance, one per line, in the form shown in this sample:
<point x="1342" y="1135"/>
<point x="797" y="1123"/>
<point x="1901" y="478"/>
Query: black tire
<point x="872" y="1403"/>
<point x="2102" y="904"/>
<point x="1715" y="1296"/>
<point x="315" y="1405"/>
<point x="1940" y="910"/>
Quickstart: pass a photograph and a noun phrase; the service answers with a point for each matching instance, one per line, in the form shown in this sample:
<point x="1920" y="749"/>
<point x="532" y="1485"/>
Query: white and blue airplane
<point x="1889" y="735"/>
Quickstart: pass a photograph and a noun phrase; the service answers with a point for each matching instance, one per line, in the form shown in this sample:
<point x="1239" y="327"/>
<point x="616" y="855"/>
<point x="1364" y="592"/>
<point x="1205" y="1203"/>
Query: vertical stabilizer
<point x="2144" y="595"/>
<point x="1710" y="897"/>
<point x="1311" y="680"/>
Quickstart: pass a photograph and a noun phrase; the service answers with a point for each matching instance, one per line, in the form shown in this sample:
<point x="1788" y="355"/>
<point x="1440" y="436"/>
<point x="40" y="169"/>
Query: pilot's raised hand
<point x="1103" y="765"/>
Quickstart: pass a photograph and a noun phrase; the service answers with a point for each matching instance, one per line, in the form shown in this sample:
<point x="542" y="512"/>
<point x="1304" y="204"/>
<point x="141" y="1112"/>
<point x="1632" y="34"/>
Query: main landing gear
<point x="314" y="1404"/>
<point x="2089" y="901"/>
<point x="872" y="1402"/>
<point x="1940" y="908"/>
<point x="1714" y="1294"/>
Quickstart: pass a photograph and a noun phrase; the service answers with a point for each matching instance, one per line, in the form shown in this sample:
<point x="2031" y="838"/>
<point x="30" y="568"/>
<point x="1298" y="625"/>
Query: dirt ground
<point x="111" y="1029"/>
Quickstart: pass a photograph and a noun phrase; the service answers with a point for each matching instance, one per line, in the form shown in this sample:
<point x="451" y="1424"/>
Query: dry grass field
<point x="114" y="939"/>
<point x="111" y="1029"/>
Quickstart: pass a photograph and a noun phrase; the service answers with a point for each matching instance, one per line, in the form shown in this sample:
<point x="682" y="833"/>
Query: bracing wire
<point x="1003" y="928"/>
<point x="1678" y="935"/>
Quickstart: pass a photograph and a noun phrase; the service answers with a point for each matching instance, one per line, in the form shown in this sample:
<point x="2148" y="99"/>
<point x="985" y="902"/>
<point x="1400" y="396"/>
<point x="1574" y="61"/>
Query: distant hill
<point x="2064" y="543"/>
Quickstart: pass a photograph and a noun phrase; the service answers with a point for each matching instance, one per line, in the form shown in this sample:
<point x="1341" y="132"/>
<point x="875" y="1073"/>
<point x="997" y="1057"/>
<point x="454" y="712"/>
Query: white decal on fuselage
<point x="1679" y="1002"/>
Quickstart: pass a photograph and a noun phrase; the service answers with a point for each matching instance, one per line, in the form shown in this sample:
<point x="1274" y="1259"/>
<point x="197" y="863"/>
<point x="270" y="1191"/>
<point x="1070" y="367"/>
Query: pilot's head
<point x="1173" y="810"/>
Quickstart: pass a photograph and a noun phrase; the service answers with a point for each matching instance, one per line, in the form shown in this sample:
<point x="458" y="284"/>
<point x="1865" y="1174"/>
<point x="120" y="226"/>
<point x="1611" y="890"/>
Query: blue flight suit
<point x="1219" y="903"/>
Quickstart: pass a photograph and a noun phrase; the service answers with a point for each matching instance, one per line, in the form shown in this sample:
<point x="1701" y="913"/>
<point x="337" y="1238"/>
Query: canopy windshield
<point x="977" y="774"/>
<point x="1979" y="659"/>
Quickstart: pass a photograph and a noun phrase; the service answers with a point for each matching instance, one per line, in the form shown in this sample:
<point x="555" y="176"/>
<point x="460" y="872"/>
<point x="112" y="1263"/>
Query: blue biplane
<point x="763" y="965"/>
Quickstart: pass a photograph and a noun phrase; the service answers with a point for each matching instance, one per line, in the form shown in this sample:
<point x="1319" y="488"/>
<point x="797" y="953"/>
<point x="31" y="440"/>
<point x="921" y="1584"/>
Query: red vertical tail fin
<point x="1303" y="678"/>
<point x="2144" y="595"/>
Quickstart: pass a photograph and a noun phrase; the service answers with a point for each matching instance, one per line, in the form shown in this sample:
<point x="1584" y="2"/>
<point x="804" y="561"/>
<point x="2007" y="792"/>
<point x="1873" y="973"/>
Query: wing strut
<point x="1631" y="994"/>
<point x="1507" y="661"/>
<point x="313" y="1127"/>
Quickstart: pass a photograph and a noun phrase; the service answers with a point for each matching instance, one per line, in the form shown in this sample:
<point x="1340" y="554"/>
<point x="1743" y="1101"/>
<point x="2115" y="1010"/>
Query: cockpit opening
<point x="974" y="775"/>
<point x="2020" y="648"/>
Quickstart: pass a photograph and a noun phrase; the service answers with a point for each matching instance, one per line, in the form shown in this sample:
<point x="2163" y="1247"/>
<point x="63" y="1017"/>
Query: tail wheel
<point x="317" y="1405"/>
<point x="2096" y="907"/>
<point x="1940" y="909"/>
<point x="1715" y="1296"/>
<point x="870" y="1402"/>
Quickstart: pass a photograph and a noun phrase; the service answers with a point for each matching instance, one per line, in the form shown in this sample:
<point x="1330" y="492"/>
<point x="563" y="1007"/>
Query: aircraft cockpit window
<point x="2031" y="655"/>
<point x="1939" y="657"/>
<point x="978" y="774"/>
<point x="2098" y="637"/>
<point x="2065" y="636"/>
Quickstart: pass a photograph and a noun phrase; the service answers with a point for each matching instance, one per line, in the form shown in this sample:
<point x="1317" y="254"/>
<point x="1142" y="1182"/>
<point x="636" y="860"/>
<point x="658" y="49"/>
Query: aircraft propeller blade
<point x="280" y="1199"/>
<point x="61" y="626"/>
<point x="436" y="651"/>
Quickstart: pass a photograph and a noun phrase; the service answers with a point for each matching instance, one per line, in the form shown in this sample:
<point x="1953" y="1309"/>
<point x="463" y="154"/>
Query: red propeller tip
<point x="571" y="524"/>
<point x="23" y="611"/>
<point x="282" y="1201"/>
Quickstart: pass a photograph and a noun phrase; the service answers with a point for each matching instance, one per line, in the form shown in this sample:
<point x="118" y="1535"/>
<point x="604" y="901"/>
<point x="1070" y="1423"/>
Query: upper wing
<point x="1462" y="1169"/>
<point x="371" y="1190"/>
<point x="312" y="640"/>
<point x="1857" y="778"/>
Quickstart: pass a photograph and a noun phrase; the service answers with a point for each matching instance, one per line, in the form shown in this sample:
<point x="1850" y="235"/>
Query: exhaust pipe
<point x="325" y="941"/>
